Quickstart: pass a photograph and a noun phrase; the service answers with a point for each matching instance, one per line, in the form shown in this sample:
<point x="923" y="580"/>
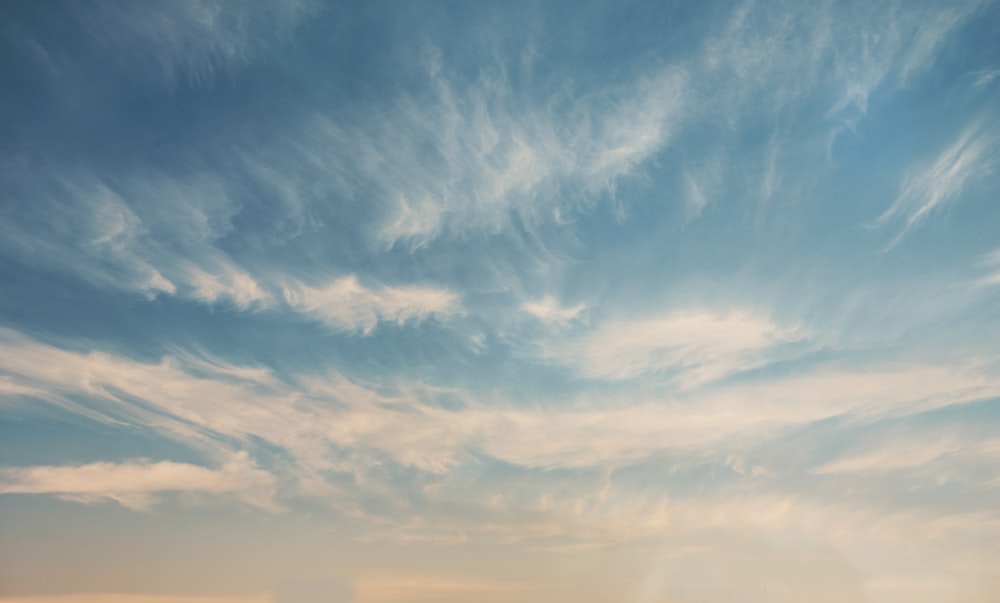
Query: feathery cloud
<point x="135" y="484"/>
<point x="931" y="186"/>
<point x="493" y="154"/>
<point x="148" y="234"/>
<point x="328" y="422"/>
<point x="547" y="309"/>
<point x="348" y="305"/>
<point x="694" y="346"/>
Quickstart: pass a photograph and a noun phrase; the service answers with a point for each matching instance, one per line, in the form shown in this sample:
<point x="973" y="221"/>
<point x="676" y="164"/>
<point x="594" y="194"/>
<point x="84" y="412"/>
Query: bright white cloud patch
<point x="326" y="423"/>
<point x="228" y="283"/>
<point x="692" y="347"/>
<point x="548" y="309"/>
<point x="348" y="305"/>
<point x="136" y="484"/>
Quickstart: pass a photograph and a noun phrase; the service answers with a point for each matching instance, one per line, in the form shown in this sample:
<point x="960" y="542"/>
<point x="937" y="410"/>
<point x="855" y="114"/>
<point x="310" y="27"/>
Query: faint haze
<point x="325" y="591"/>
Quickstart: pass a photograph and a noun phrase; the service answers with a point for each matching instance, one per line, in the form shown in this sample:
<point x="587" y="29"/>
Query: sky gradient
<point x="461" y="302"/>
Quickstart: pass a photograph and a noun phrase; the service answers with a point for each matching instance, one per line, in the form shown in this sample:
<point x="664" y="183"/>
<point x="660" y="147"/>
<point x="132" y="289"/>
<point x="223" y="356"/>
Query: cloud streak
<point x="930" y="187"/>
<point x="694" y="346"/>
<point x="149" y="234"/>
<point x="548" y="310"/>
<point x="347" y="305"/>
<point x="135" y="484"/>
<point x="332" y="423"/>
<point x="493" y="154"/>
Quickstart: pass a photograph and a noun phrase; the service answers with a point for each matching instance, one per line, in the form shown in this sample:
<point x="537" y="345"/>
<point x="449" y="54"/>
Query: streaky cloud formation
<point x="696" y="344"/>
<point x="199" y="401"/>
<point x="494" y="155"/>
<point x="547" y="309"/>
<point x="931" y="187"/>
<point x="133" y="484"/>
<point x="150" y="235"/>
<point x="346" y="304"/>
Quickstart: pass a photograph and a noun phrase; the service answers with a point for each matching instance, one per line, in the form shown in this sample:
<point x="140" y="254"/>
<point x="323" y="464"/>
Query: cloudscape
<point x="308" y="301"/>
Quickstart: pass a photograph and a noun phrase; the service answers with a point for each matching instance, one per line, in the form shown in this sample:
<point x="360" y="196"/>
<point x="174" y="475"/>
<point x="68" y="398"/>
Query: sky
<point x="462" y="302"/>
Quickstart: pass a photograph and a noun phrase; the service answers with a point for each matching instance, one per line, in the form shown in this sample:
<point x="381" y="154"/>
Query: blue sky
<point x="430" y="301"/>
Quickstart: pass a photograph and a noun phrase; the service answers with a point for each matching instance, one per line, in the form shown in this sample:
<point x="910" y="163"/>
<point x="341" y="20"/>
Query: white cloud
<point x="938" y="453"/>
<point x="323" y="426"/>
<point x="331" y="422"/>
<point x="931" y="186"/>
<point x="155" y="234"/>
<point x="891" y="458"/>
<point x="615" y="432"/>
<point x="226" y="282"/>
<point x="769" y="61"/>
<point x="348" y="305"/>
<point x="547" y="309"/>
<point x="135" y="484"/>
<point x="147" y="233"/>
<point x="695" y="345"/>
<point x="889" y="46"/>
<point x="464" y="156"/>
<point x="473" y="152"/>
<point x="864" y="394"/>
<point x="931" y="31"/>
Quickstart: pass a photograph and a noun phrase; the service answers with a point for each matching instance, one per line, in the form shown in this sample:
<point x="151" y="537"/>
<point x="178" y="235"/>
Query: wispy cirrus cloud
<point x="943" y="453"/>
<point x="136" y="484"/>
<point x="348" y="305"/>
<point x="842" y="55"/>
<point x="907" y="45"/>
<point x="852" y="48"/>
<point x="495" y="153"/>
<point x="328" y="422"/>
<point x="154" y="234"/>
<point x="463" y="154"/>
<point x="888" y="459"/>
<point x="548" y="310"/>
<point x="931" y="186"/>
<point x="144" y="233"/>
<point x="694" y="346"/>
